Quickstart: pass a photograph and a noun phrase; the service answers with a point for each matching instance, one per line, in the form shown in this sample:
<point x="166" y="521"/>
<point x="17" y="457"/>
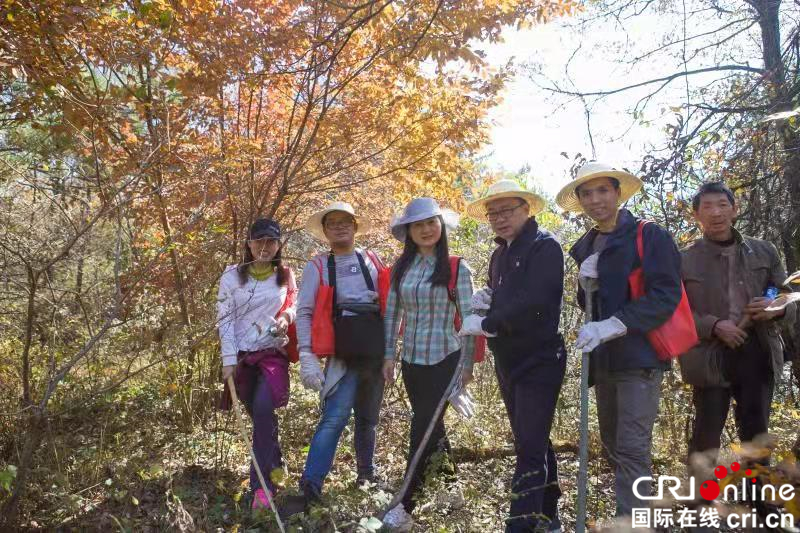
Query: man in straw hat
<point x="624" y="367"/>
<point x="523" y="308"/>
<point x="344" y="387"/>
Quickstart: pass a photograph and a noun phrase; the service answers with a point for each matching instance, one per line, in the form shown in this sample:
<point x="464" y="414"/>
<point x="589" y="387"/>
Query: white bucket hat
<point x="629" y="184"/>
<point x="505" y="189"/>
<point x="421" y="209"/>
<point x="314" y="223"/>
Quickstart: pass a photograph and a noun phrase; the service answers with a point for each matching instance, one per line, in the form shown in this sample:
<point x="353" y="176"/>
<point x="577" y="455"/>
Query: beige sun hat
<point x="628" y="184"/>
<point x="314" y="223"/>
<point x="505" y="189"/>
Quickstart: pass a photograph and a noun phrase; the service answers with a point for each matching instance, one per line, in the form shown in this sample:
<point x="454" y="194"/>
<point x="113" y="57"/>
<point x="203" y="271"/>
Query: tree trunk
<point x="769" y="23"/>
<point x="30" y="317"/>
<point x="33" y="439"/>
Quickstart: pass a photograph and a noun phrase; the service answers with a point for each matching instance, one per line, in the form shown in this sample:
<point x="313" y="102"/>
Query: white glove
<point x="372" y="295"/>
<point x="462" y="402"/>
<point x="589" y="267"/>
<point x="473" y="325"/>
<point x="311" y="375"/>
<point x="594" y="334"/>
<point x="481" y="300"/>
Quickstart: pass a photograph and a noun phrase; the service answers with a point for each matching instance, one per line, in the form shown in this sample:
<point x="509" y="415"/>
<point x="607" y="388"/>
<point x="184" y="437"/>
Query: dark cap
<point x="265" y="228"/>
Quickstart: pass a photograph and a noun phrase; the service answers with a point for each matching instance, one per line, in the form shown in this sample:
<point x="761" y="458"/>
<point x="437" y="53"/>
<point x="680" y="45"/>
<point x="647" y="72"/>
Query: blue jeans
<point x="357" y="392"/>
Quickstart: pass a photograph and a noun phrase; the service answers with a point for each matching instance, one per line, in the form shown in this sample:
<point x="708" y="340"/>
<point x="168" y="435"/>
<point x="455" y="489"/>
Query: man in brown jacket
<point x="728" y="277"/>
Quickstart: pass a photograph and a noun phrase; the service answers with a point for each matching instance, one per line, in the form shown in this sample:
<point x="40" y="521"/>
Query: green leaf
<point x="370" y="524"/>
<point x="7" y="477"/>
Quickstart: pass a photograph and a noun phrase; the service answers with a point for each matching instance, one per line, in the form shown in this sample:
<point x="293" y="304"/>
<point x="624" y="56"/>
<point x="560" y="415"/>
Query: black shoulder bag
<point x="359" y="335"/>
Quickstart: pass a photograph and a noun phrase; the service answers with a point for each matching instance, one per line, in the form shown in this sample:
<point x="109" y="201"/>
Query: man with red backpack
<point x="339" y="318"/>
<point x="625" y="367"/>
<point x="523" y="309"/>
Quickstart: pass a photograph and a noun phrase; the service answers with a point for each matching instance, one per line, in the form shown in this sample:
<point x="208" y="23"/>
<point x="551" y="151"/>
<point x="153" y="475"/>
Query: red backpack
<point x="678" y="334"/>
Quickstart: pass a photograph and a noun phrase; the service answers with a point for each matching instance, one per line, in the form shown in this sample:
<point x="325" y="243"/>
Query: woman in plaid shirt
<point x="431" y="347"/>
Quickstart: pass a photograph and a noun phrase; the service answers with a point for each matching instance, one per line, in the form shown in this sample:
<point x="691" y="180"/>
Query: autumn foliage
<point x="140" y="138"/>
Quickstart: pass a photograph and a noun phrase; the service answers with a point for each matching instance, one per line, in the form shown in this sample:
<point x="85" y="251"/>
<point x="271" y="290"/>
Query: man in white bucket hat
<point x="523" y="309"/>
<point x="624" y="368"/>
<point x="346" y="386"/>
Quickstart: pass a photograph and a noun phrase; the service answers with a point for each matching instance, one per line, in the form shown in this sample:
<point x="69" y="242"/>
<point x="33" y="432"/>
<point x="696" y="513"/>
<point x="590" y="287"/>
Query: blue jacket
<point x="662" y="278"/>
<point x="527" y="279"/>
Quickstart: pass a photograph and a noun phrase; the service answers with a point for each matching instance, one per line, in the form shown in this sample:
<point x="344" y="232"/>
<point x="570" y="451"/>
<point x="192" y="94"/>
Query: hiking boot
<point x="291" y="505"/>
<point x="311" y="496"/>
<point x="365" y="481"/>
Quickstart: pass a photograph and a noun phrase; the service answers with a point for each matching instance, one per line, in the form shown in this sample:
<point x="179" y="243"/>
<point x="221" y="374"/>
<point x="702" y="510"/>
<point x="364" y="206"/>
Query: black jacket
<point x="527" y="279"/>
<point x="662" y="278"/>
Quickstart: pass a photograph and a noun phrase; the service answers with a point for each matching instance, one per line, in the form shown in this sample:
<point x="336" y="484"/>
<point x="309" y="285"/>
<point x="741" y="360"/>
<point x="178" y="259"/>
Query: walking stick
<point x="589" y="286"/>
<point x="239" y="422"/>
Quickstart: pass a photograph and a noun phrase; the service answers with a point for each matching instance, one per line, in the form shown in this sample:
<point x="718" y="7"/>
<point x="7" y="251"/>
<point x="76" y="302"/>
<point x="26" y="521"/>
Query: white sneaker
<point x="397" y="519"/>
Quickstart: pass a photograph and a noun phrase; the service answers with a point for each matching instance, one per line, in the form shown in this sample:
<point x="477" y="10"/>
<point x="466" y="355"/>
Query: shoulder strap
<point x="332" y="279"/>
<point x="640" y="239"/>
<point x="375" y="260"/>
<point x="291" y="293"/>
<point x="318" y="264"/>
<point x="451" y="285"/>
<point x="365" y="272"/>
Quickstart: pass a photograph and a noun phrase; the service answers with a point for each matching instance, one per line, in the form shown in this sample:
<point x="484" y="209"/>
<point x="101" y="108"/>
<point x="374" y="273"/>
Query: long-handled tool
<point x="589" y="287"/>
<point x="240" y="422"/>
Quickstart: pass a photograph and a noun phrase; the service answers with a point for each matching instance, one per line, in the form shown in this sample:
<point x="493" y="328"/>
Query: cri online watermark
<point x="710" y="490"/>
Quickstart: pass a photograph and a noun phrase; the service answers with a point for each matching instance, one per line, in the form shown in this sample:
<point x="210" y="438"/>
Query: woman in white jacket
<point x="254" y="310"/>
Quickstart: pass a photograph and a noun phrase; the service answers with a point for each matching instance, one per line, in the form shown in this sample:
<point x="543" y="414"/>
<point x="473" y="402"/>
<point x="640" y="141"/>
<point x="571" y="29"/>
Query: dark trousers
<point x="627" y="408"/>
<point x="748" y="371"/>
<point x="530" y="400"/>
<point x="266" y="447"/>
<point x="425" y="386"/>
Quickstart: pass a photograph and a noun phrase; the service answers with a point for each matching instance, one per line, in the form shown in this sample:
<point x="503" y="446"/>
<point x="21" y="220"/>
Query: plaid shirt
<point x="427" y="313"/>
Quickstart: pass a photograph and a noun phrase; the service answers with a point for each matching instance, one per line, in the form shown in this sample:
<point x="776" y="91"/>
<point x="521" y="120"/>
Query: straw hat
<point x="628" y="184"/>
<point x="505" y="189"/>
<point x="314" y="223"/>
<point x="421" y="209"/>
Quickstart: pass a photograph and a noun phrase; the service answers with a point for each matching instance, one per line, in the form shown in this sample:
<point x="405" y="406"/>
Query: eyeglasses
<point x="503" y="213"/>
